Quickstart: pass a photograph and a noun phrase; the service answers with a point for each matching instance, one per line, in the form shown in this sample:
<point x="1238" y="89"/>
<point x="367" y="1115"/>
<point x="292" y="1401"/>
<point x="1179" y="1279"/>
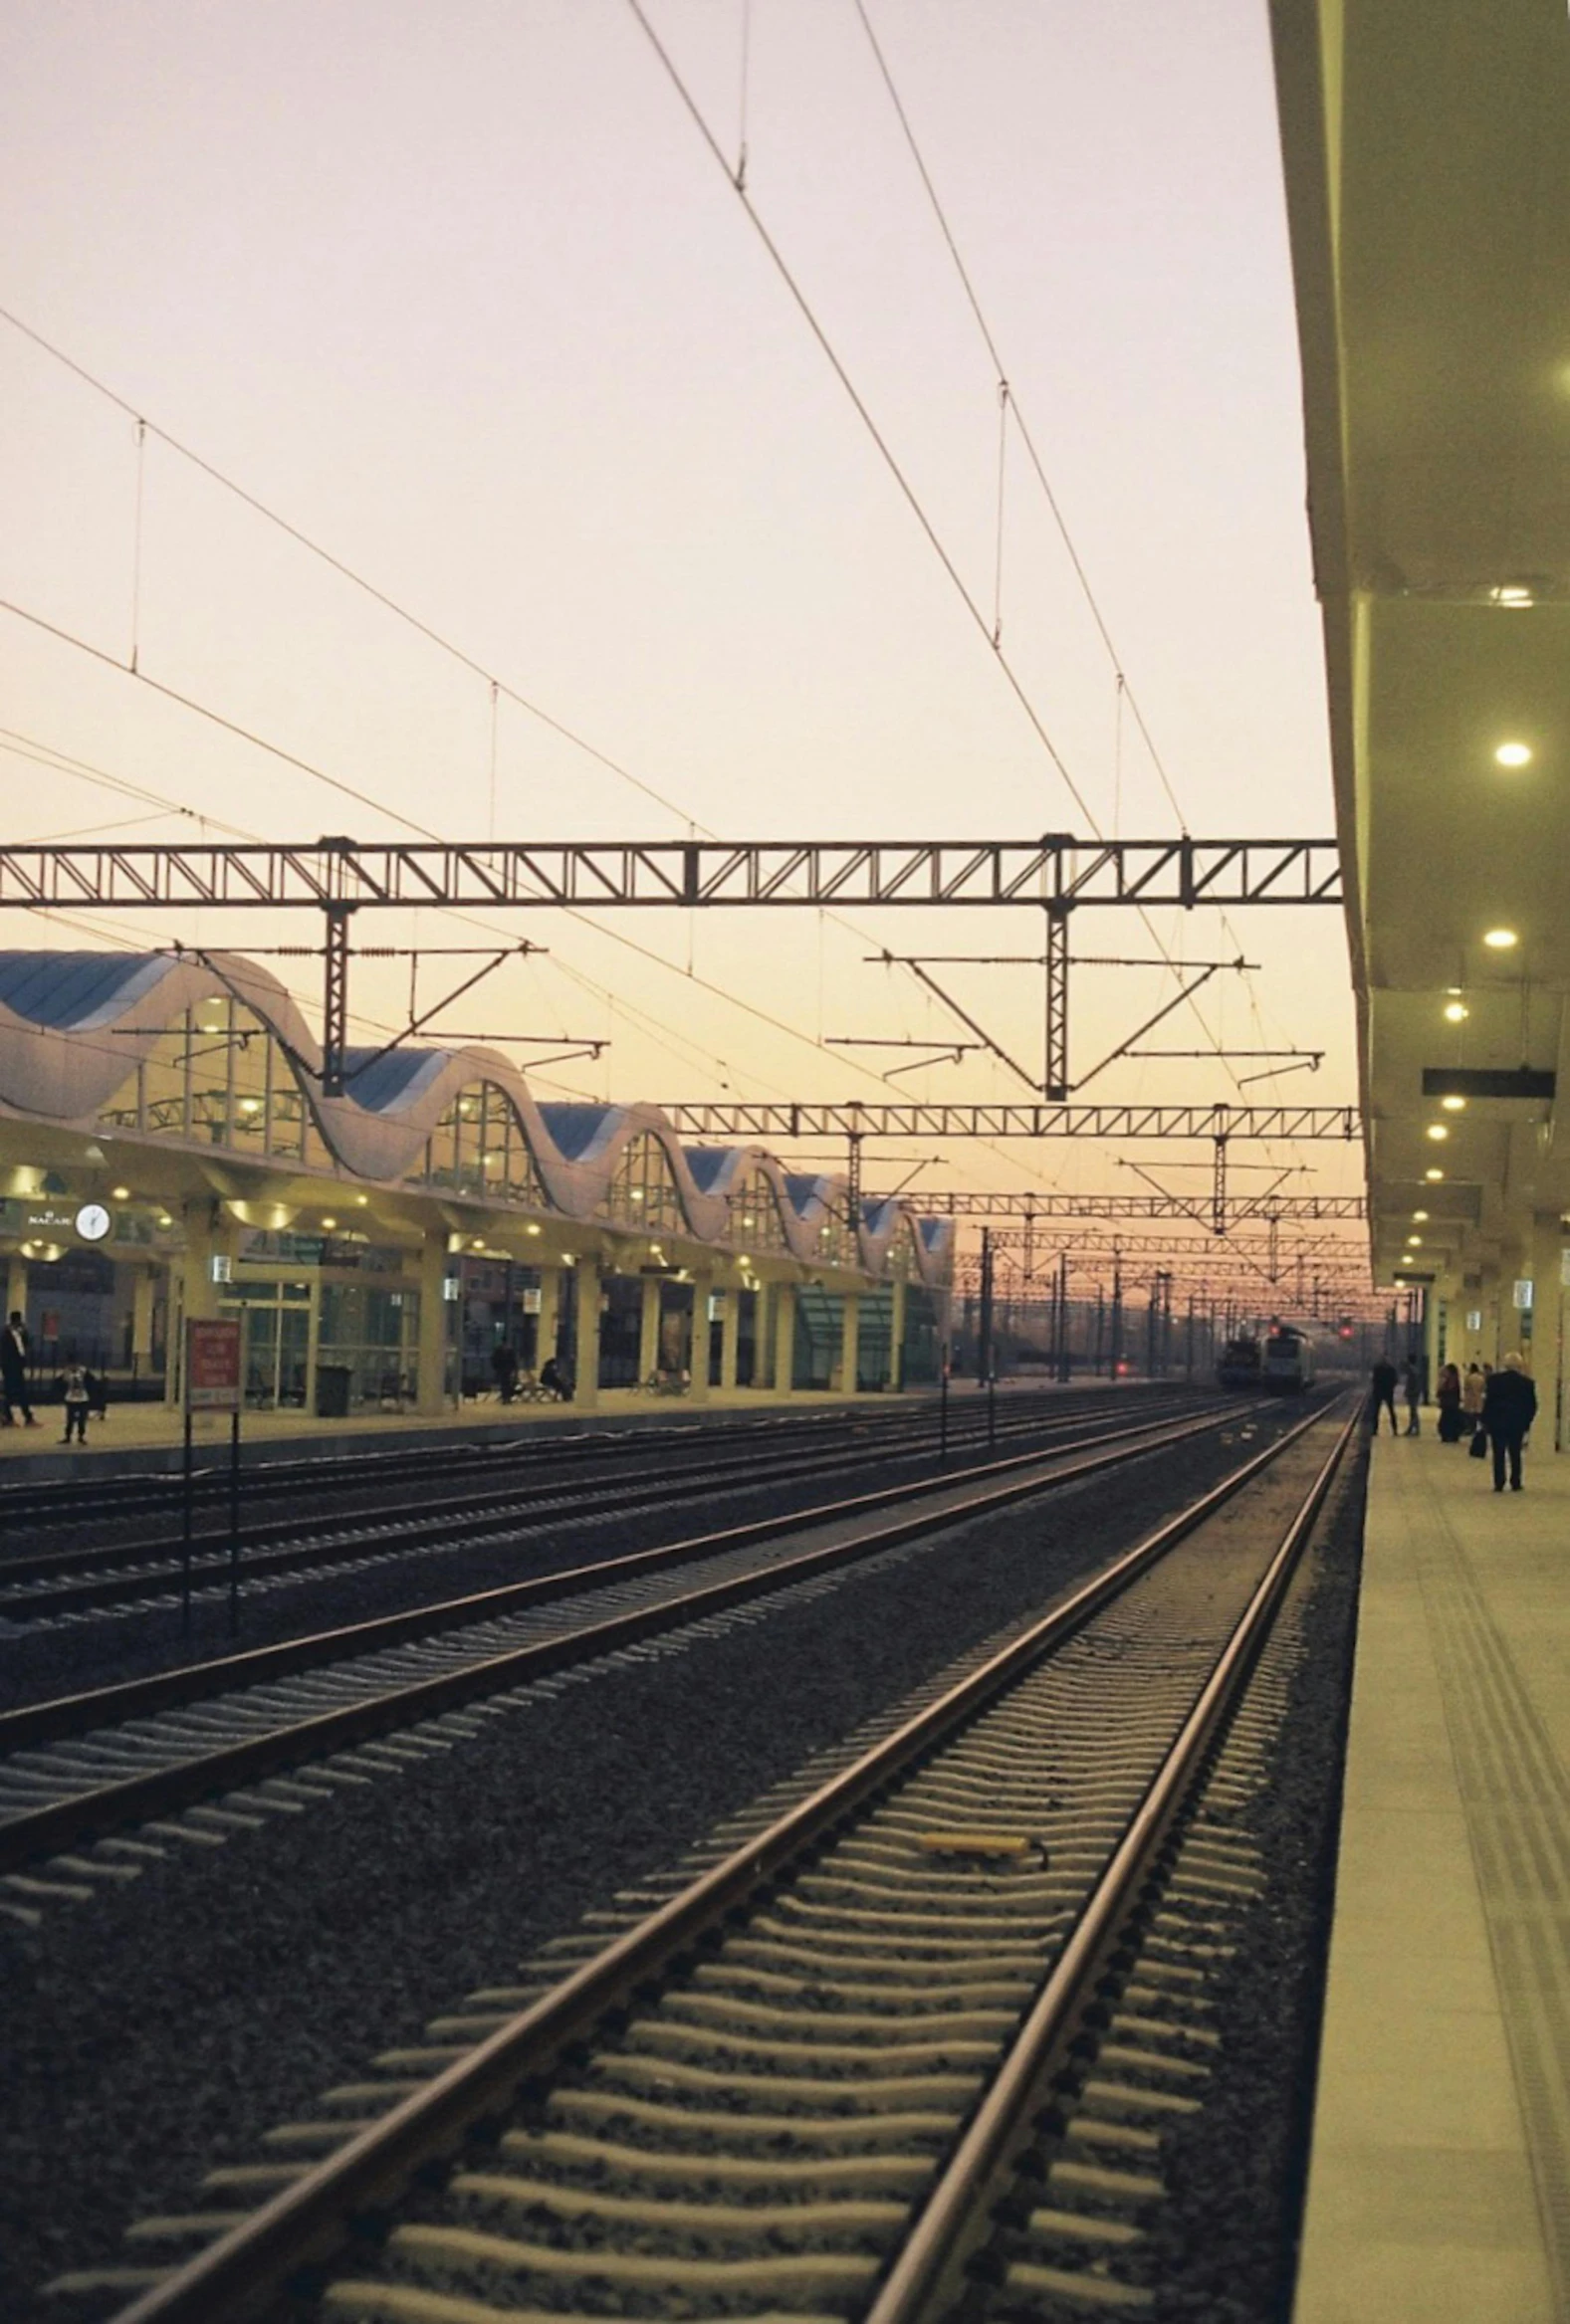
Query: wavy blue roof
<point x="576" y="1127"/>
<point x="68" y="991"/>
<point x="705" y="1162"/>
<point x="382" y="1083"/>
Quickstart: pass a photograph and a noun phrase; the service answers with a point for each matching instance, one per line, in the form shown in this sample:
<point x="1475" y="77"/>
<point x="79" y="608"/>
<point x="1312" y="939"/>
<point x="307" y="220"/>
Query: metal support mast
<point x="335" y="997"/>
<point x="1055" y="1082"/>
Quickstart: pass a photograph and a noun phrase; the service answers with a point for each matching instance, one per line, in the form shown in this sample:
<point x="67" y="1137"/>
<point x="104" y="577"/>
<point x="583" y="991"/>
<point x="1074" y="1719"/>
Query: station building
<point x="166" y="1153"/>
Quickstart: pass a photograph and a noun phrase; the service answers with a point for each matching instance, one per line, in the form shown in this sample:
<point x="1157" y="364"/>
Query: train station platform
<point x="1439" y="2171"/>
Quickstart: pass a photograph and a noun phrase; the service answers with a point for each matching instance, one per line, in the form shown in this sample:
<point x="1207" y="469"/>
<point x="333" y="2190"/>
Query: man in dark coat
<point x="1509" y="1407"/>
<point x="1383" y="1397"/>
<point x="13" y="1369"/>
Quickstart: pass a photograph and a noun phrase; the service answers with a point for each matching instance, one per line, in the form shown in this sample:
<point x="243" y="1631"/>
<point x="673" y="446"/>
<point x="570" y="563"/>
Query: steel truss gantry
<point x="1057" y="873"/>
<point x="1037" y="1204"/>
<point x="1057" y="870"/>
<point x="731" y="1119"/>
<point x="1032" y="1242"/>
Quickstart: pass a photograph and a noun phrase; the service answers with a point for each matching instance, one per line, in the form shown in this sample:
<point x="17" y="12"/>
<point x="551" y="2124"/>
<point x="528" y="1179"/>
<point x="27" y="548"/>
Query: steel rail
<point x="73" y="1580"/>
<point x="240" y="2276"/>
<point x="927" y="2274"/>
<point x="63" y="1715"/>
<point x="110" y="1807"/>
<point x="79" y="1496"/>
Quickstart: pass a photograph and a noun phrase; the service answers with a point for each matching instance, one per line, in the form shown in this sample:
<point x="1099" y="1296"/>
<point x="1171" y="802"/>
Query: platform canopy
<point x="1426" y="150"/>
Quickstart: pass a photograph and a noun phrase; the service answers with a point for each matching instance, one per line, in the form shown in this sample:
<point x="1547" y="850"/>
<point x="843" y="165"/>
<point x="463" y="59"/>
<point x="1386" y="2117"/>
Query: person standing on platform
<point x="14" y="1346"/>
<point x="1448" y="1397"/>
<point x="1412" y="1390"/>
<point x="1509" y="1407"/>
<point x="1471" y="1397"/>
<point x="78" y="1397"/>
<point x="1383" y="1396"/>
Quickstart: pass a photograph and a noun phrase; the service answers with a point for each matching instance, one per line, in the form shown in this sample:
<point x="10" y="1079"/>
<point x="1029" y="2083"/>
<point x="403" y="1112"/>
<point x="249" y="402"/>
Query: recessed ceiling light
<point x="1454" y="1105"/>
<point x="1431" y="1175"/>
<point x="329" y="1223"/>
<point x="1513" y="754"/>
<point x="1457" y="1011"/>
<point x="1414" y="1242"/>
<point x="1418" y="1216"/>
<point x="120" y="1193"/>
<point x="1511" y="593"/>
<point x="1500" y="939"/>
<point x="1437" y="1130"/>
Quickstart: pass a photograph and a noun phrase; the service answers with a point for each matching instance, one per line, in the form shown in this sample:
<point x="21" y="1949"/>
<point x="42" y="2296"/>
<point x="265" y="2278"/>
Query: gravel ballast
<point x="40" y="1660"/>
<point x="1226" y="2235"/>
<point x="164" y="2027"/>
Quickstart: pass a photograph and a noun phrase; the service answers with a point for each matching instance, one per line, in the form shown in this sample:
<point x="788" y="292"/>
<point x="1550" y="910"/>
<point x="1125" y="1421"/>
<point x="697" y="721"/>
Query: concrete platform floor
<point x="1440" y="2177"/>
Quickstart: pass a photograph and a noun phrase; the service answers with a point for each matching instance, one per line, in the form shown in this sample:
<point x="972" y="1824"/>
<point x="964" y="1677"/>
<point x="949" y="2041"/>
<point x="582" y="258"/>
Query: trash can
<point x="332" y="1392"/>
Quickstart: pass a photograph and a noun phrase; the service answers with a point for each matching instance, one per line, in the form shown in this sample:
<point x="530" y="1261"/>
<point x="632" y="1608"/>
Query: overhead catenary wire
<point x="884" y="448"/>
<point x="1081" y="575"/>
<point x="422" y="628"/>
<point x="804" y="304"/>
<point x="1124" y="691"/>
<point x="318" y="773"/>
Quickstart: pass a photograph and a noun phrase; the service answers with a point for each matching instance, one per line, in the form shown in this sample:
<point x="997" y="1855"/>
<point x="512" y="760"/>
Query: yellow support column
<point x="548" y="1324"/>
<point x="143" y="1292"/>
<point x="1547" y="1355"/>
<point x="430" y="1388"/>
<point x="649" y="1328"/>
<point x="702" y="1286"/>
<point x="585" y="1392"/>
<point x="193" y="1293"/>
<point x="849" y="1343"/>
<point x="784" y="1339"/>
<point x="730" y="1335"/>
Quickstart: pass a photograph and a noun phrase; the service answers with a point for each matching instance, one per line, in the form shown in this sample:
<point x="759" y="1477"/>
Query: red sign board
<point x="212" y="1365"/>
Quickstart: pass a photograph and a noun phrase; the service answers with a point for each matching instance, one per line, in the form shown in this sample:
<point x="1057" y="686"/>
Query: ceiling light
<point x="531" y="1229"/>
<point x="1414" y="1242"/>
<point x="1437" y="1130"/>
<point x="1500" y="939"/>
<point x="1454" y="1105"/>
<point x="1511" y="593"/>
<point x="120" y="1193"/>
<point x="363" y="1199"/>
<point x="1431" y="1175"/>
<point x="1418" y="1217"/>
<point x="329" y="1224"/>
<point x="1513" y="754"/>
<point x="164" y="1219"/>
<point x="1457" y="1011"/>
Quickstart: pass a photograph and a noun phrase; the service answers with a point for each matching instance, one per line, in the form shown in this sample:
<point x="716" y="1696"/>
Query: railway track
<point x="314" y="1480"/>
<point x="226" y="1740"/>
<point x="916" y="2042"/>
<point x="49" y="1585"/>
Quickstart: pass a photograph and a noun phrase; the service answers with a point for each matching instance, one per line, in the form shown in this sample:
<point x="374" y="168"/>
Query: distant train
<point x="1288" y="1365"/>
<point x="1239" y="1365"/>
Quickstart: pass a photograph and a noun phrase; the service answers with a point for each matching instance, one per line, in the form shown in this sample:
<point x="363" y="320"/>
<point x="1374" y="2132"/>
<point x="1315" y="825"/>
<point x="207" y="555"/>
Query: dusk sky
<point x="463" y="297"/>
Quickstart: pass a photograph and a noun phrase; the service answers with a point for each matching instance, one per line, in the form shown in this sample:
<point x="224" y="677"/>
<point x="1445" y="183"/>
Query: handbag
<point x="1479" y="1447"/>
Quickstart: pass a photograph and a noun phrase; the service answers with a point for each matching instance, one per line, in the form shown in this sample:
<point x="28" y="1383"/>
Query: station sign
<point x="212" y="1364"/>
<point x="1521" y="1292"/>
